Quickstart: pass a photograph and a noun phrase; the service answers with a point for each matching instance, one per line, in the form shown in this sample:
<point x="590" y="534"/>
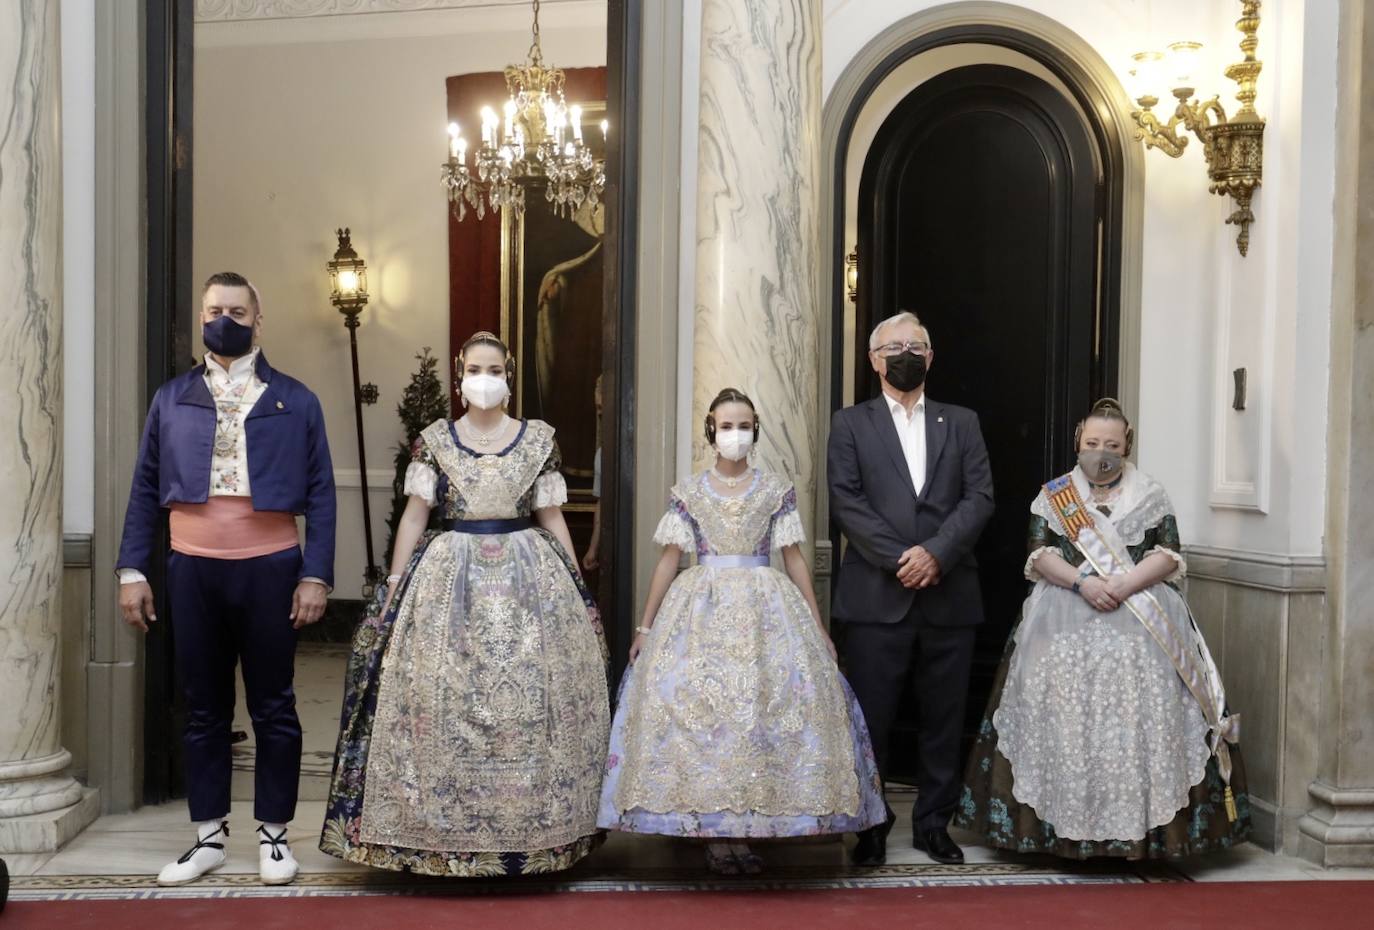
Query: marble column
<point x="40" y="806"/>
<point x="1338" y="830"/>
<point x="757" y="238"/>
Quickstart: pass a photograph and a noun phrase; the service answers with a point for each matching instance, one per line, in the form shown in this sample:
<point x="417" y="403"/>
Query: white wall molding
<point x="344" y="21"/>
<point x="233" y="10"/>
<point x="1290" y="574"/>
<point x="378" y="479"/>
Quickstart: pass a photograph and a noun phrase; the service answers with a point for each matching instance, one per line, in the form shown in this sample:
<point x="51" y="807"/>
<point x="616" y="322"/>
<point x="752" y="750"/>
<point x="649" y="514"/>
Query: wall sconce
<point x="348" y="293"/>
<point x="851" y="274"/>
<point x="1234" y="148"/>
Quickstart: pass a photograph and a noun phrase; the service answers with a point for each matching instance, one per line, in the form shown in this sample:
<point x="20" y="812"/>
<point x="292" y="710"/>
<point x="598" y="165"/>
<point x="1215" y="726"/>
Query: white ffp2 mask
<point x="485" y="391"/>
<point x="734" y="444"/>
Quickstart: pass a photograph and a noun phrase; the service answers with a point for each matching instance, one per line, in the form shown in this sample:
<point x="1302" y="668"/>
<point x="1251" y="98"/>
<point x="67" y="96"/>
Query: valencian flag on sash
<point x="1072" y="512"/>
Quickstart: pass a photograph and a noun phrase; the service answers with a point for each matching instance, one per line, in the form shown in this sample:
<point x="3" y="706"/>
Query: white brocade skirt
<point x="736" y="722"/>
<point x="1103" y="737"/>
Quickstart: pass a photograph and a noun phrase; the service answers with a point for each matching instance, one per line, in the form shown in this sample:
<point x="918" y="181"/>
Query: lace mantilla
<point x="1143" y="503"/>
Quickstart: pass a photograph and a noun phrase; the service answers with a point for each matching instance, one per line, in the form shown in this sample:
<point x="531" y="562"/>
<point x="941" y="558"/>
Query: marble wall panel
<point x="1253" y="652"/>
<point x="1207" y="600"/>
<point x="1306" y="656"/>
<point x="76" y="638"/>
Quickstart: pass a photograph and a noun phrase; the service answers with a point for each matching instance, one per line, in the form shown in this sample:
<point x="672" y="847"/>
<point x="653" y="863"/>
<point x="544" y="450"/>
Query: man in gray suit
<point x="911" y="489"/>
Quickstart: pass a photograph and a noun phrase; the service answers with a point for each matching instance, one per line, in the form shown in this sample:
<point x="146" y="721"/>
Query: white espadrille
<point x="205" y="856"/>
<point x="276" y="865"/>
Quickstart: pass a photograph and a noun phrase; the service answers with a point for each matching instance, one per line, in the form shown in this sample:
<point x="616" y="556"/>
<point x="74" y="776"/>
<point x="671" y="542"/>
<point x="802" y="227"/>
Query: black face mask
<point x="226" y="338"/>
<point x="906" y="372"/>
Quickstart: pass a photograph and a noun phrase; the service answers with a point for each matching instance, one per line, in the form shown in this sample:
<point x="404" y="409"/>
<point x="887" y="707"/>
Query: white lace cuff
<point x="788" y="531"/>
<point x="1030" y="571"/>
<point x="550" y="490"/>
<point x="675" y="531"/>
<point x="1180" y="564"/>
<point x="421" y="481"/>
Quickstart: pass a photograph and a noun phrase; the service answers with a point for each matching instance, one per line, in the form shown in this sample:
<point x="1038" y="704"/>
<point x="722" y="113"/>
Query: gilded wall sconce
<point x="851" y="274"/>
<point x="1234" y="147"/>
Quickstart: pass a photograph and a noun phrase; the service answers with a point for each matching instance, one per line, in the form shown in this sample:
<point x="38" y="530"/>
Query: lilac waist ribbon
<point x="733" y="561"/>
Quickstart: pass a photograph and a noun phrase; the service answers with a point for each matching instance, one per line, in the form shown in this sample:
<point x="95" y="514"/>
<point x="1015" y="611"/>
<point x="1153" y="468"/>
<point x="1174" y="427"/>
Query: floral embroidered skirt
<point x="735" y="721"/>
<point x="475" y="715"/>
<point x="988" y="807"/>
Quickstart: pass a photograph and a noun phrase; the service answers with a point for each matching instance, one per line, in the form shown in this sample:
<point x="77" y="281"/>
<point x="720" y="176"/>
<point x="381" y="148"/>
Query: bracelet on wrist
<point x="642" y="629"/>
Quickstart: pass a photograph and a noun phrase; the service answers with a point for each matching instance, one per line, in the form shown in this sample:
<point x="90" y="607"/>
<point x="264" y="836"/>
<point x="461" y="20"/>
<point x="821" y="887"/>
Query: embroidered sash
<point x="1096" y="538"/>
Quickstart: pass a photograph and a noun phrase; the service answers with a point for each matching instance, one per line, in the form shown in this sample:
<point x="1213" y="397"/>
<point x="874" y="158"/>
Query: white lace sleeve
<point x="1180" y="563"/>
<point x="674" y="530"/>
<point x="1030" y="571"/>
<point x="421" y="481"/>
<point x="788" y="531"/>
<point x="550" y="490"/>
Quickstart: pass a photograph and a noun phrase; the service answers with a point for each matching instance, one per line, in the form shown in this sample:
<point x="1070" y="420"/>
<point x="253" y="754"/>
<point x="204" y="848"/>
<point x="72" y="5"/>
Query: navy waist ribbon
<point x="488" y="527"/>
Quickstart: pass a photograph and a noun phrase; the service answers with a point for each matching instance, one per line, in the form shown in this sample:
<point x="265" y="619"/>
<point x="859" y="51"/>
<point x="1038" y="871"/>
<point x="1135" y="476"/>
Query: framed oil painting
<point x="552" y="300"/>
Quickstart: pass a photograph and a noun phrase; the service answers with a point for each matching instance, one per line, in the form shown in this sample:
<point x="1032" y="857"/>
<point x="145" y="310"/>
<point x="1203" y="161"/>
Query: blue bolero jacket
<point x="289" y="468"/>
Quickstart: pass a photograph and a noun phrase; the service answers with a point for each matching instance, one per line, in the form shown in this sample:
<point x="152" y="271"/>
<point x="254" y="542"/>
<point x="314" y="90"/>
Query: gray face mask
<point x="1100" y="466"/>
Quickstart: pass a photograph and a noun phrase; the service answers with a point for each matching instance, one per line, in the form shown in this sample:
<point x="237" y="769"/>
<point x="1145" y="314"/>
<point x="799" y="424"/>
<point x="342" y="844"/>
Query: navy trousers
<point x="227" y="611"/>
<point x="881" y="659"/>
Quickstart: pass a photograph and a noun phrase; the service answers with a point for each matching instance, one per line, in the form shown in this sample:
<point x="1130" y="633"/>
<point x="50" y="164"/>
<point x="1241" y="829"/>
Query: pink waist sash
<point x="229" y="528"/>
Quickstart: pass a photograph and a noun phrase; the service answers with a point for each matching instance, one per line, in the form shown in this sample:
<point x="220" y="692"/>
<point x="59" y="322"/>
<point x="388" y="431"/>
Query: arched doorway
<point x="980" y="209"/>
<point x="1082" y="78"/>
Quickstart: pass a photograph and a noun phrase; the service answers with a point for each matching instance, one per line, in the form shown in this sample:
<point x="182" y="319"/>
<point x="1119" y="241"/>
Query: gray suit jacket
<point x="875" y="505"/>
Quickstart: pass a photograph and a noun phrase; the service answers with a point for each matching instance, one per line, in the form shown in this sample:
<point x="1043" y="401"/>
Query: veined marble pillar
<point x="1338" y="830"/>
<point x="40" y="807"/>
<point x="757" y="238"/>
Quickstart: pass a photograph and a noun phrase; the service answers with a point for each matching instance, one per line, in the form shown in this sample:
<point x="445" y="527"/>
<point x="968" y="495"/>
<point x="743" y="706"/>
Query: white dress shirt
<point x="911" y="431"/>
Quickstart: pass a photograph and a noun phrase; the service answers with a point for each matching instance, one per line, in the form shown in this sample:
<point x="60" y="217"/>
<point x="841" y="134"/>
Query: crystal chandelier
<point x="538" y="143"/>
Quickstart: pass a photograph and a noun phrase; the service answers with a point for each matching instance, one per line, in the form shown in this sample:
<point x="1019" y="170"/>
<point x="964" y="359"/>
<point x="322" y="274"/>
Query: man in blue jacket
<point x="233" y="450"/>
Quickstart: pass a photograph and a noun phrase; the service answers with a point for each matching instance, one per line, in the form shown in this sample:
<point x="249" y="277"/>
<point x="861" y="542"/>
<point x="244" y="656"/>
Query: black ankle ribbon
<point x="273" y="841"/>
<point x="202" y="844"/>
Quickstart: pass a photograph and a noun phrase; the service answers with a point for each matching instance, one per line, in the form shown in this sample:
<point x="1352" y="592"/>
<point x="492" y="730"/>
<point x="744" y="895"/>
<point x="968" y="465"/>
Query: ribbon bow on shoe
<point x="205" y="856"/>
<point x="276" y="865"/>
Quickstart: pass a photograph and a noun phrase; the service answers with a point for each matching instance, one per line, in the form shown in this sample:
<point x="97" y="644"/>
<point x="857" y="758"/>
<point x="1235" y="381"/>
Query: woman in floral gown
<point x="734" y="722"/>
<point x="476" y="712"/>
<point x="1107" y="733"/>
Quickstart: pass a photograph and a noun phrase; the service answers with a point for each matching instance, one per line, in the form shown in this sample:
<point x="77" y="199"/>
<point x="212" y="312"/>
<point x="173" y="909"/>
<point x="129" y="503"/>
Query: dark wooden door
<point x="980" y="211"/>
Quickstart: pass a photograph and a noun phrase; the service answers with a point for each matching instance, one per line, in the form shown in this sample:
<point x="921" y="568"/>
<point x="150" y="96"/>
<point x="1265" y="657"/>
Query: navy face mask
<point x="226" y="338"/>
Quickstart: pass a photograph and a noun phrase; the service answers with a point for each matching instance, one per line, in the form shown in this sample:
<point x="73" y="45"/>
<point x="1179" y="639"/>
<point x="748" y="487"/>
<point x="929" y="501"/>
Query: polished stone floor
<point x="140" y="843"/>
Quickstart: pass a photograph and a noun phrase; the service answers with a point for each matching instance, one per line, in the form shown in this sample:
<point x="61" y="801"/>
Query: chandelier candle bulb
<point x="576" y="114"/>
<point x="454" y="140"/>
<point x="605" y="129"/>
<point x="1183" y="59"/>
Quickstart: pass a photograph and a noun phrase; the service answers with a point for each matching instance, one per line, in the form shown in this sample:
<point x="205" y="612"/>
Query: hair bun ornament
<point x="1108" y="403"/>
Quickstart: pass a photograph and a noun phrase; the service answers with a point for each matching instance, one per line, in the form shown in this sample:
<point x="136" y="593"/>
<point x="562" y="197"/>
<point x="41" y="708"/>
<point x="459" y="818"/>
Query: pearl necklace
<point x="728" y="482"/>
<point x="483" y="439"/>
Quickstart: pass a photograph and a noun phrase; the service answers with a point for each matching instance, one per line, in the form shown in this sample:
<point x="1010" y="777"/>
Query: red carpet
<point x="1330" y="905"/>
